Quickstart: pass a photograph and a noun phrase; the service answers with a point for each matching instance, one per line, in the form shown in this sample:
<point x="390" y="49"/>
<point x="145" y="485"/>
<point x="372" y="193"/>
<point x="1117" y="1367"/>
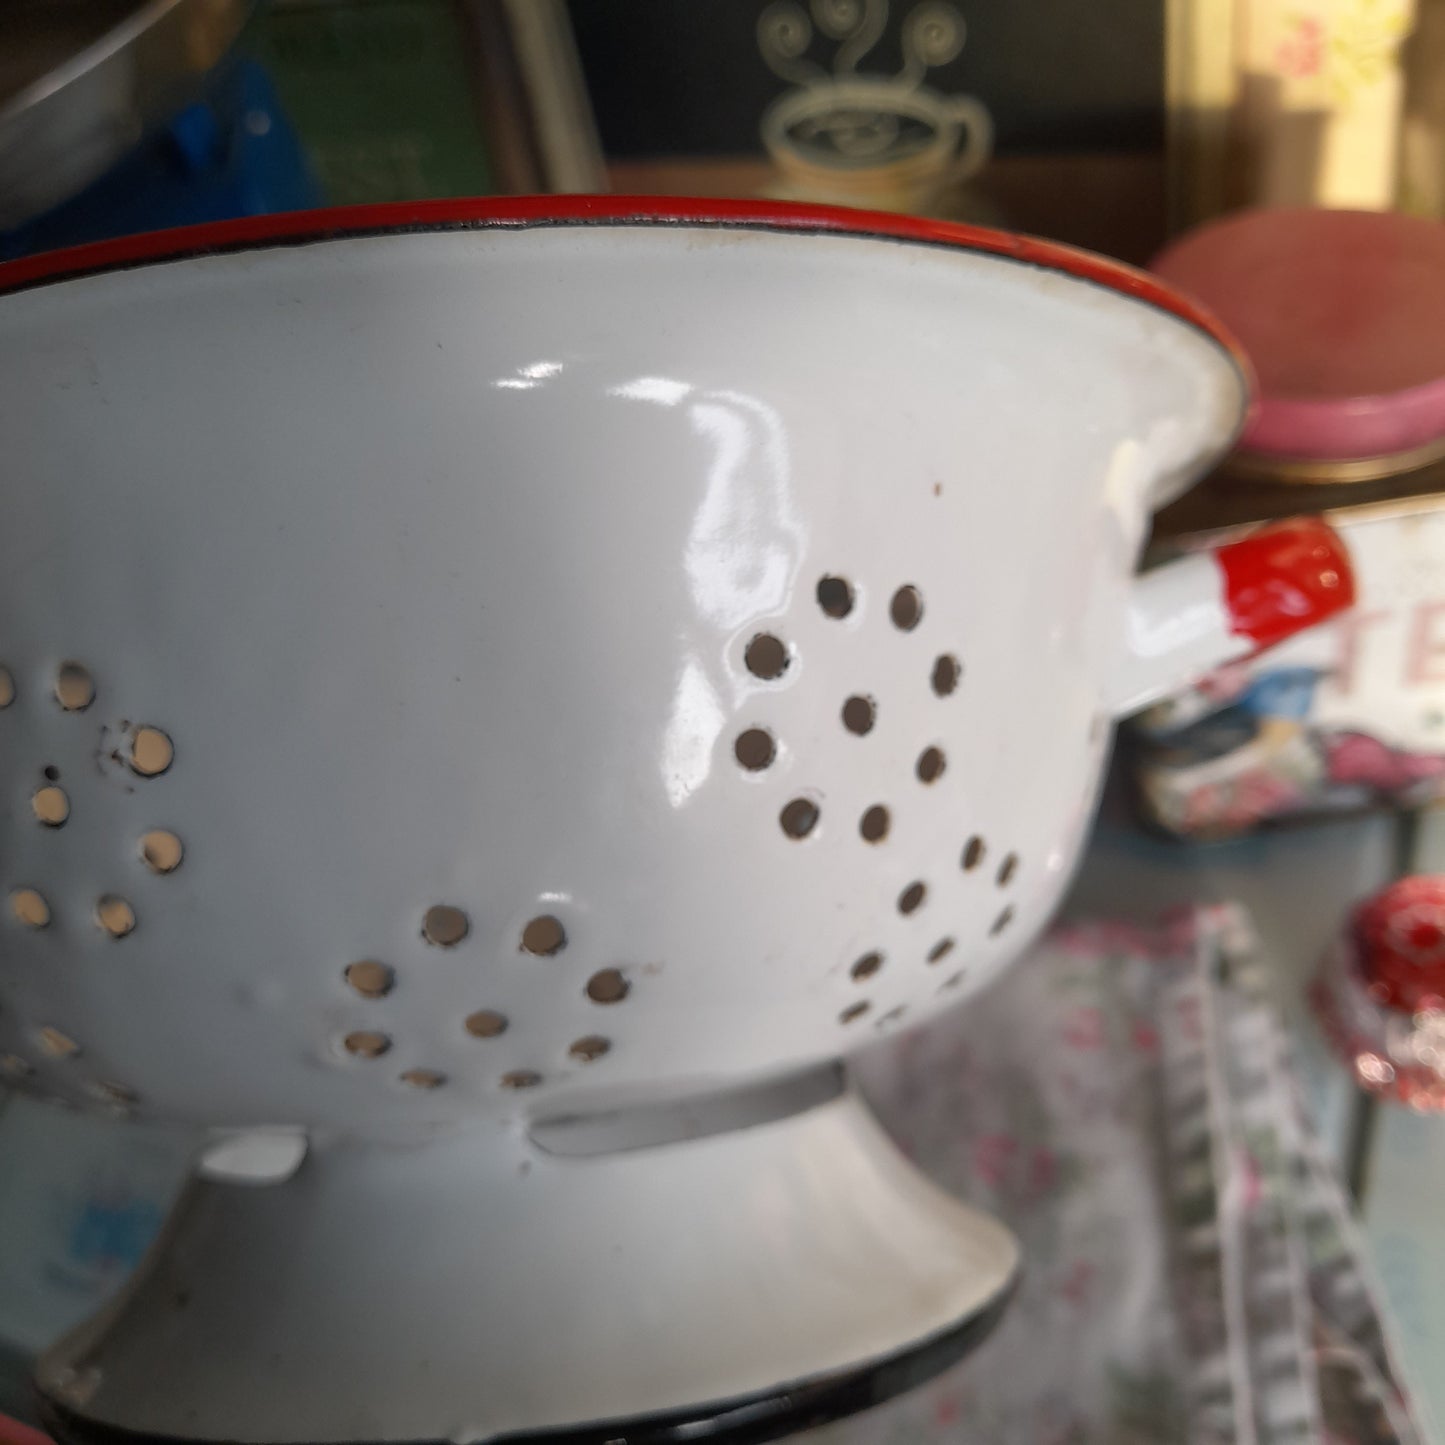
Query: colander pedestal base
<point x="742" y="1284"/>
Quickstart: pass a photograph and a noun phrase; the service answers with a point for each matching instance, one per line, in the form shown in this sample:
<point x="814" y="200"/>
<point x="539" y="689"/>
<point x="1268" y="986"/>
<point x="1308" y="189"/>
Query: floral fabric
<point x="1123" y="1100"/>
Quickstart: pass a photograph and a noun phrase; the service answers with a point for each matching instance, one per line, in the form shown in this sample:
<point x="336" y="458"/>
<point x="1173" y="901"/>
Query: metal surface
<point x="487" y="1287"/>
<point x="603" y="470"/>
<point x="81" y="81"/>
<point x="542" y="673"/>
<point x="1253" y="468"/>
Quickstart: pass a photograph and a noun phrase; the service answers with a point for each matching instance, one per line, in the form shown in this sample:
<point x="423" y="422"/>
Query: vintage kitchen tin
<point x="1343" y="315"/>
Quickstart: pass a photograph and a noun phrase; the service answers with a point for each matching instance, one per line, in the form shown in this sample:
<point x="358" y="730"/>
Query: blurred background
<point x="1108" y="126"/>
<point x="1218" y="141"/>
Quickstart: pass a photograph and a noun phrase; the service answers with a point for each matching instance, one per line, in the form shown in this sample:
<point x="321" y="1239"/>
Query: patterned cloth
<point x="1124" y="1100"/>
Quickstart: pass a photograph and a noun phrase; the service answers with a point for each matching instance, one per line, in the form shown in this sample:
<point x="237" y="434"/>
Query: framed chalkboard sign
<point x="1059" y="78"/>
<point x="405" y="99"/>
<point x="686" y="77"/>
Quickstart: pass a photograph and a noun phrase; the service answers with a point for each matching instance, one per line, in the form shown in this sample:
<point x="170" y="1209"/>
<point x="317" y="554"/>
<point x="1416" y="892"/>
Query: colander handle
<point x="1212" y="607"/>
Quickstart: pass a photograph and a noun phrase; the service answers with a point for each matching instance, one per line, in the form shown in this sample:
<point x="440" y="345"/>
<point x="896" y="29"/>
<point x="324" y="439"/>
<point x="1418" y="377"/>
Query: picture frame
<point x="414" y="99"/>
<point x="1201" y="90"/>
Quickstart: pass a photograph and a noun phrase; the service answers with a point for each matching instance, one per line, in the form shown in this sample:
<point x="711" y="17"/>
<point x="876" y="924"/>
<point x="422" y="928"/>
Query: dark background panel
<point x="684" y="77"/>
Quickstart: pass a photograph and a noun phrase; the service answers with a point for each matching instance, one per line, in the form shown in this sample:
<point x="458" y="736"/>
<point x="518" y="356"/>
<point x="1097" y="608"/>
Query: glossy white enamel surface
<point x="1177" y="628"/>
<point x="437" y="558"/>
<point x="358" y="1301"/>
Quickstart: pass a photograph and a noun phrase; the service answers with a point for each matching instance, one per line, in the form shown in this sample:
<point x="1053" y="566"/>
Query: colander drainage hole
<point x="7" y="688"/>
<point x="608" y="985"/>
<point x="854" y="1011"/>
<point x="520" y="1079"/>
<point x="930" y="765"/>
<point x="444" y="925"/>
<point x="1001" y="922"/>
<point x="906" y="608"/>
<point x="423" y="1078"/>
<point x="544" y="936"/>
<point x="50" y="773"/>
<point x="835" y="596"/>
<point x="859" y="715"/>
<point x="866" y="966"/>
<point x="57" y="1044"/>
<point x="115" y="916"/>
<point x="74" y="687"/>
<point x="116" y="1096"/>
<point x="911" y="899"/>
<point x="1007" y="869"/>
<point x="366" y="1044"/>
<point x="50" y="806"/>
<point x="485" y="1024"/>
<point x="766" y="656"/>
<point x="972" y="853"/>
<point x="799" y="817"/>
<point x="873" y="825"/>
<point x="940" y="950"/>
<point x="590" y="1048"/>
<point x="755" y="749"/>
<point x="161" y="850"/>
<point x="29" y="908"/>
<point x="369" y="978"/>
<point x="151" y="752"/>
<point x="946" y="672"/>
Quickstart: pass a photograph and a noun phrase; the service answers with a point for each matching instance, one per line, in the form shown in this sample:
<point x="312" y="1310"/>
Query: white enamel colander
<point x="496" y="698"/>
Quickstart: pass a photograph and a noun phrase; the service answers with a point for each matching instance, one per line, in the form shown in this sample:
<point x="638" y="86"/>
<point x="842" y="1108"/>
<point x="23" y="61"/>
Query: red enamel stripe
<point x="519" y="211"/>
<point x="1283" y="578"/>
<point x="12" y="1432"/>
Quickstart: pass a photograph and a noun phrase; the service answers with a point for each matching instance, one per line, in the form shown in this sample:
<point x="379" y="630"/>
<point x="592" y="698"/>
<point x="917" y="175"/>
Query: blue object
<point x="232" y="154"/>
<point x="1284" y="692"/>
<point x="113" y="1233"/>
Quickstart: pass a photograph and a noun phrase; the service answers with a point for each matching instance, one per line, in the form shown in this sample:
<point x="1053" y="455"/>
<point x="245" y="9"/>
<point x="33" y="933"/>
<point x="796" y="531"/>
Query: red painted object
<point x="12" y="1432"/>
<point x="1401" y="938"/>
<point x="1284" y="577"/>
<point x="1343" y="315"/>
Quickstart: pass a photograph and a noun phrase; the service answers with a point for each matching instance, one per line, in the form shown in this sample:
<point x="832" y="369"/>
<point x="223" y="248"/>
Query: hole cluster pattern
<point x="66" y="697"/>
<point x="930" y="909"/>
<point x="917" y="919"/>
<point x="480" y="1031"/>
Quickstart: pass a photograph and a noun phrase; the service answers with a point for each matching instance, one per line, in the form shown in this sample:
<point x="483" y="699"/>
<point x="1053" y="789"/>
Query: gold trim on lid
<point x="1249" y="468"/>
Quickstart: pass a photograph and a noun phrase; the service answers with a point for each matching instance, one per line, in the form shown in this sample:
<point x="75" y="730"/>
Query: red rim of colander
<point x="299" y="227"/>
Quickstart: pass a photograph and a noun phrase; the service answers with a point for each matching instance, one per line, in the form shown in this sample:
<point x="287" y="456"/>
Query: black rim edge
<point x="748" y="1420"/>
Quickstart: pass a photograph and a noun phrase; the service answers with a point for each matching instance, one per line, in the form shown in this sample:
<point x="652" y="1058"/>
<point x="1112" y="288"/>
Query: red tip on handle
<point x="1284" y="578"/>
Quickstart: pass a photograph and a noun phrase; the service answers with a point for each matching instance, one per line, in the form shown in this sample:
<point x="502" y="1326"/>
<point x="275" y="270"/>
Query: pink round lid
<point x="1342" y="314"/>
